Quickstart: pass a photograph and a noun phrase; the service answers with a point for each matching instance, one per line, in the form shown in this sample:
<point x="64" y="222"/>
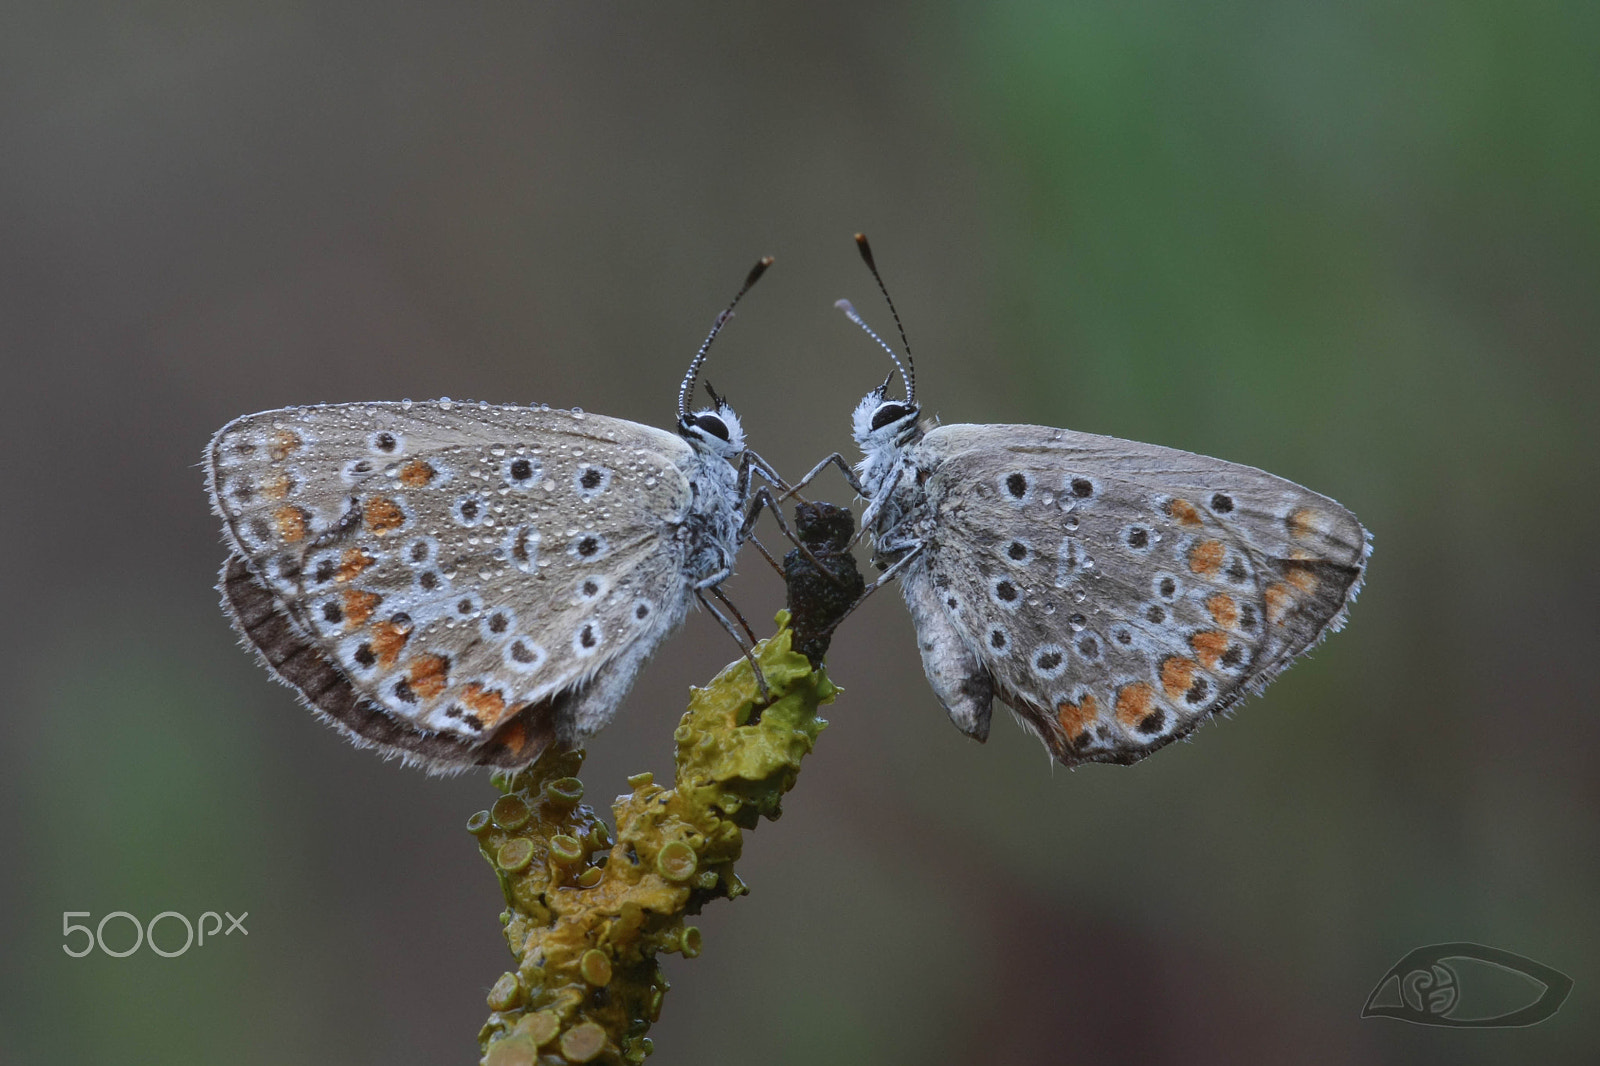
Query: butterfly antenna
<point x="850" y="313"/>
<point x="866" y="256"/>
<point x="716" y="327"/>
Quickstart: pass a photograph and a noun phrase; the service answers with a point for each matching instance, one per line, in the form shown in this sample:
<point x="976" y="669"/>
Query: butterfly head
<point x="880" y="422"/>
<point x="714" y="429"/>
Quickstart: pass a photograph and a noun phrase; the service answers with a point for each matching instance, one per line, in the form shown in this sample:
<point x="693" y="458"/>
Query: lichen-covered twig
<point x="589" y="909"/>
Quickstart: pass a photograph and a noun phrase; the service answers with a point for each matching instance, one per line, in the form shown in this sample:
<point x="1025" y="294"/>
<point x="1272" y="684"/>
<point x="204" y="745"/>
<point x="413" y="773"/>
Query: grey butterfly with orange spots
<point x="1113" y="594"/>
<point x="460" y="584"/>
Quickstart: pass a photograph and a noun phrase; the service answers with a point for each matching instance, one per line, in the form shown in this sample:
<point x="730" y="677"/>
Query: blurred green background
<point x="1355" y="243"/>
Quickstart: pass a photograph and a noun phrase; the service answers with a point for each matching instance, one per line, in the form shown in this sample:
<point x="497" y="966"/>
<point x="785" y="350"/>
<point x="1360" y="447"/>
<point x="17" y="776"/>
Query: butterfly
<point x="462" y="584"/>
<point x="1113" y="594"/>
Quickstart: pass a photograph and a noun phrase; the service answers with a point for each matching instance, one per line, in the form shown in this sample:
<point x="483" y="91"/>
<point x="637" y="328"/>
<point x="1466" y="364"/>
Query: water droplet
<point x="1077" y="622"/>
<point x="1072" y="521"/>
<point x="1088" y="562"/>
<point x="485" y="574"/>
<point x="1047" y="498"/>
<point x="497" y="450"/>
<point x="405" y="405"/>
<point x="445" y="403"/>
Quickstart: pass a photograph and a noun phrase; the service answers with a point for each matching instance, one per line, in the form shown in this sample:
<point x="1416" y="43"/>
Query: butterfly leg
<point x="763" y="499"/>
<point x="761" y="681"/>
<point x="758" y="465"/>
<point x="836" y="460"/>
<point x="913" y="550"/>
<point x="869" y="517"/>
<point x="762" y="548"/>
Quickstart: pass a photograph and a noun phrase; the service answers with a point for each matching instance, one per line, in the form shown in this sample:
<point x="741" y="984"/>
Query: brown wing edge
<point x="294" y="660"/>
<point x="1327" y="611"/>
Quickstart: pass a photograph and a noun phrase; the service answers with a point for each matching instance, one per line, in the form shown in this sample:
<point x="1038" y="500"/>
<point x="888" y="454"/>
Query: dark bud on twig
<point x="818" y="601"/>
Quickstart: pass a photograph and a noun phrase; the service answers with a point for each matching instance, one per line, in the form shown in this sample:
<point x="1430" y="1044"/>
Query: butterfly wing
<point x="449" y="581"/>
<point x="1118" y="594"/>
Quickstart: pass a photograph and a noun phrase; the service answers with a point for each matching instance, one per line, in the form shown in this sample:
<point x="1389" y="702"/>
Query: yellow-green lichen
<point x="588" y="911"/>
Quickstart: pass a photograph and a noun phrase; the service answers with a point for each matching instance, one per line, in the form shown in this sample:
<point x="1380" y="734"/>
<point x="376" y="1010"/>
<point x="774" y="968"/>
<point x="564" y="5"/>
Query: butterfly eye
<point x="887" y="413"/>
<point x="712" y="425"/>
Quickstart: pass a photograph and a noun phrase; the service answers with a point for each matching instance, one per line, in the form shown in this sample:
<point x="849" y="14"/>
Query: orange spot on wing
<point x="1185" y="512"/>
<point x="282" y="444"/>
<point x="1206" y="557"/>
<point x="1302" y="523"/>
<point x="1209" y="646"/>
<point x="1302" y="579"/>
<point x="359" y="605"/>
<point x="1134" y="703"/>
<point x="1076" y="717"/>
<point x="293" y="523"/>
<point x="416" y="472"/>
<point x="382" y="515"/>
<point x="1277" y="597"/>
<point x="514" y="737"/>
<point x="486" y="704"/>
<point x="428" y="675"/>
<point x="351" y="563"/>
<point x="1223" y="610"/>
<point x="1177" y="674"/>
<point x="277" y="486"/>
<point x="387" y="640"/>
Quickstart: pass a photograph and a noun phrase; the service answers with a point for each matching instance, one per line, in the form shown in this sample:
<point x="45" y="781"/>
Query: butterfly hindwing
<point x="1118" y="593"/>
<point x="436" y="582"/>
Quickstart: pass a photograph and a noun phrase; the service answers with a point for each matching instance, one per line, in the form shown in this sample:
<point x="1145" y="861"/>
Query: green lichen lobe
<point x="588" y="911"/>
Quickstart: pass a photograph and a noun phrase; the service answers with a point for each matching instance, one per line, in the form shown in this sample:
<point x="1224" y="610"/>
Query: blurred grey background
<point x="1354" y="243"/>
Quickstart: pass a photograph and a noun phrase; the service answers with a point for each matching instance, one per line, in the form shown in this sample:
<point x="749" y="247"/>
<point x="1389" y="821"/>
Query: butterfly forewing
<point x="452" y="571"/>
<point x="1120" y="593"/>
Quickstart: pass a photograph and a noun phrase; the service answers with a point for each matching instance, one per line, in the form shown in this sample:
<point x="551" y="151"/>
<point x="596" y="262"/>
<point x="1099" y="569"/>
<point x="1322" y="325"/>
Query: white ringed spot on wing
<point x="496" y="624"/>
<point x="1005" y="593"/>
<point x="469" y="510"/>
<point x="521" y="545"/>
<point x="522" y="472"/>
<point x="1017" y="552"/>
<point x="587" y="640"/>
<point x="421" y="552"/>
<point x="1016" y="488"/>
<point x="523" y="655"/>
<point x="591" y="480"/>
<point x="588" y="547"/>
<point x="1049" y="661"/>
